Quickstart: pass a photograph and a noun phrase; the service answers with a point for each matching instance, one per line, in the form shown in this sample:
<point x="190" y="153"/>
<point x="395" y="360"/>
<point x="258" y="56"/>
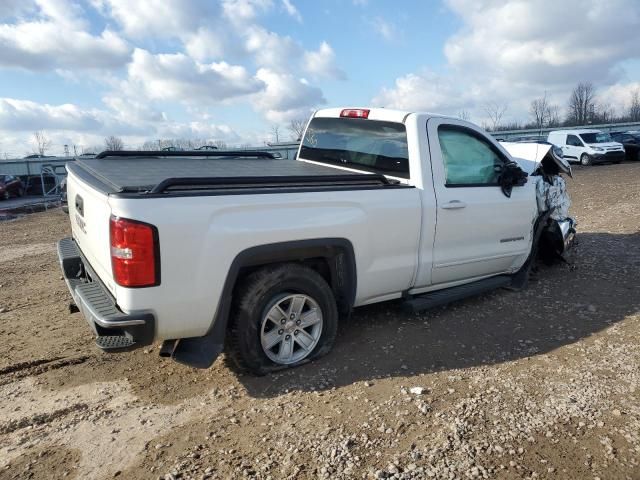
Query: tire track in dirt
<point x="33" y="368"/>
<point x="41" y="418"/>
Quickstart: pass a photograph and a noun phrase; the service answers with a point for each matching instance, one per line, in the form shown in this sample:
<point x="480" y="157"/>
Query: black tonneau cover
<point x="157" y="175"/>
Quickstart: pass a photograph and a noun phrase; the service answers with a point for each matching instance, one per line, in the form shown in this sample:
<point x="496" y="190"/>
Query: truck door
<point x="479" y="230"/>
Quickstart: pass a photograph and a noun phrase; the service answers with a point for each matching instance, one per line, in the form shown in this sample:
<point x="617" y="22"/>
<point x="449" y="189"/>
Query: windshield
<point x="599" y="137"/>
<point x="370" y="145"/>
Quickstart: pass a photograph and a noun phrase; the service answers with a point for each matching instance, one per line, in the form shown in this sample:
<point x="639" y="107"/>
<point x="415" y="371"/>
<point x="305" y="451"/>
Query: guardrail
<point x="605" y="127"/>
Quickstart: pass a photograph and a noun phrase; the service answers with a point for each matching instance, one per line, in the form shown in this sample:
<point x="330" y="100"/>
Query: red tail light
<point x="355" y="113"/>
<point x="135" y="253"/>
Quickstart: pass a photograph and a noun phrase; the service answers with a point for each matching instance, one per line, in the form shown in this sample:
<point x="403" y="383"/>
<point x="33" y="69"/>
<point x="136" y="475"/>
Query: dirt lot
<point x="543" y="383"/>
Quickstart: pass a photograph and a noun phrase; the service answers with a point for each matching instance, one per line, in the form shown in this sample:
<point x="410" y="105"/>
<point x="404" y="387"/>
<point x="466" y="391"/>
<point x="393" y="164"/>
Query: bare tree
<point x="275" y="131"/>
<point x="41" y="143"/>
<point x="554" y="116"/>
<point x="464" y="115"/>
<point x="221" y="144"/>
<point x="634" y="106"/>
<point x="582" y="104"/>
<point x="540" y="111"/>
<point x="296" y="127"/>
<point x="113" y="143"/>
<point x="495" y="111"/>
<point x="604" y="114"/>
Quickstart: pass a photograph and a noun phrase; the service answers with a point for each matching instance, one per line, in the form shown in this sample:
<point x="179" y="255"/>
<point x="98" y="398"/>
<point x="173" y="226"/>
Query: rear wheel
<point x="5" y="195"/>
<point x="638" y="155"/>
<point x="585" y="160"/>
<point x="21" y="192"/>
<point x="283" y="316"/>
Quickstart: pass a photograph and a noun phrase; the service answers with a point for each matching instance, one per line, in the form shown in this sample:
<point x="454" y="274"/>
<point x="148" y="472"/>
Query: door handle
<point x="453" y="204"/>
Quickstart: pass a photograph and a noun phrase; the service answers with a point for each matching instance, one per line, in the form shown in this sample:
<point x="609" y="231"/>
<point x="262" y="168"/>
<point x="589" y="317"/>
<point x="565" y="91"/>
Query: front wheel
<point x="20" y="192"/>
<point x="585" y="160"/>
<point x="283" y="316"/>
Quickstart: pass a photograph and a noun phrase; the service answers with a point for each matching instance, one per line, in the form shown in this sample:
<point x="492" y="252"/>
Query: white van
<point x="587" y="146"/>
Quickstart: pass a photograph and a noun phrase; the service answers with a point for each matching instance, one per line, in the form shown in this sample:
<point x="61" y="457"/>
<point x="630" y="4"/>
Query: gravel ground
<point x="542" y="383"/>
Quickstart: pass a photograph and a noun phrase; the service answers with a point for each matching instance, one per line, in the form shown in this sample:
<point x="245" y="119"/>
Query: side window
<point x="573" y="141"/>
<point x="469" y="159"/>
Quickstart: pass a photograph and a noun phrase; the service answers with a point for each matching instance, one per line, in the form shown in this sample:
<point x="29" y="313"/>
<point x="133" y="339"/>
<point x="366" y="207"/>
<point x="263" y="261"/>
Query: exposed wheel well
<point x="333" y="268"/>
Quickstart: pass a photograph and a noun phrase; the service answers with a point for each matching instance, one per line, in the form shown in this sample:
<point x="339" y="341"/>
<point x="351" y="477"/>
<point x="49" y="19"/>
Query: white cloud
<point x="179" y="77"/>
<point x="198" y="129"/>
<point x="13" y="8"/>
<point x="45" y="46"/>
<point x="58" y="40"/>
<point x="292" y="10"/>
<point x="618" y="96"/>
<point x="322" y="63"/>
<point x="205" y="44"/>
<point x="270" y="49"/>
<point x="62" y="13"/>
<point x="216" y="53"/>
<point x="386" y="29"/>
<point x="513" y="52"/>
<point x="23" y="115"/>
<point x="244" y="11"/>
<point x="545" y="41"/>
<point x="70" y="124"/>
<point x="161" y="18"/>
<point x="286" y="97"/>
<point x="425" y="91"/>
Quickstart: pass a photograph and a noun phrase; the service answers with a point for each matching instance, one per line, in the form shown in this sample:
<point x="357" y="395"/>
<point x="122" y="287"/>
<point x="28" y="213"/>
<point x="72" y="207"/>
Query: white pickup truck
<point x="261" y="257"/>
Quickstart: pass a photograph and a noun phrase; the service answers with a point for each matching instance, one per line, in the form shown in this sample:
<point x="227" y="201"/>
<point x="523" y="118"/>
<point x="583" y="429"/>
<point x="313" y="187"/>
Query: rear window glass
<point x="370" y="145"/>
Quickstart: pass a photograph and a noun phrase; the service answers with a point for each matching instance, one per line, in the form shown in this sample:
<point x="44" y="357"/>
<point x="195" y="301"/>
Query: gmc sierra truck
<point x="239" y="251"/>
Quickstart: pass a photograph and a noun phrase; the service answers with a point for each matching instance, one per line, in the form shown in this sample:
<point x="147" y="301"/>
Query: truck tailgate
<point x="89" y="212"/>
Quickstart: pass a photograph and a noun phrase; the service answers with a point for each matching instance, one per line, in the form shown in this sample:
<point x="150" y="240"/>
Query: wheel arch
<point x="336" y="254"/>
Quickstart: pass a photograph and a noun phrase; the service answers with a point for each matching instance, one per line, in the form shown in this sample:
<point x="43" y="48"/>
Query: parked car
<point x="262" y="257"/>
<point x="587" y="146"/>
<point x="10" y="186"/>
<point x="631" y="142"/>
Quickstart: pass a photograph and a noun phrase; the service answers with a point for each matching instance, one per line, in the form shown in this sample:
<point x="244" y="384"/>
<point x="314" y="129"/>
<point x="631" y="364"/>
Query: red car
<point x="10" y="185"/>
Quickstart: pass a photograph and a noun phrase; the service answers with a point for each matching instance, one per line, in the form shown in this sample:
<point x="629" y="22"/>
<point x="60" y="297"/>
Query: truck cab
<point x="455" y="168"/>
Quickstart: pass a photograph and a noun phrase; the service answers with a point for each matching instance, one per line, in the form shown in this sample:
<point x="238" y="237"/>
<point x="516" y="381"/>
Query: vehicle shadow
<point x="562" y="305"/>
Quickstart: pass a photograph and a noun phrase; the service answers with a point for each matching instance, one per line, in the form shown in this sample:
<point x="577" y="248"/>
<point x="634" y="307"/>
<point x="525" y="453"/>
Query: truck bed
<point x="145" y="175"/>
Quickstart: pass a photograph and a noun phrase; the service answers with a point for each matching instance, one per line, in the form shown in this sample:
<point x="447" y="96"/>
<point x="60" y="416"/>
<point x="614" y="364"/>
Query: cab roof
<point x="383" y="114"/>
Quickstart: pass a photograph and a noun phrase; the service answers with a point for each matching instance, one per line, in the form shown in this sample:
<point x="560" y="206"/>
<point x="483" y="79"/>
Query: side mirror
<point x="510" y="175"/>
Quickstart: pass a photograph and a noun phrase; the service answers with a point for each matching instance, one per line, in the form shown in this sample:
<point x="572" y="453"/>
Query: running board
<point x="448" y="295"/>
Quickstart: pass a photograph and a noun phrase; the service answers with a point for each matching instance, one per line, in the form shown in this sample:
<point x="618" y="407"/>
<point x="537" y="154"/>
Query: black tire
<point x="585" y="160"/>
<point x="5" y="195"/>
<point x="255" y="294"/>
<point x="20" y="192"/>
<point x="638" y="156"/>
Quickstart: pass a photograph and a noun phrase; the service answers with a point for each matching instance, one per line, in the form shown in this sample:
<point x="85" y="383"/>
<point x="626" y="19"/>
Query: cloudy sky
<point x="231" y="69"/>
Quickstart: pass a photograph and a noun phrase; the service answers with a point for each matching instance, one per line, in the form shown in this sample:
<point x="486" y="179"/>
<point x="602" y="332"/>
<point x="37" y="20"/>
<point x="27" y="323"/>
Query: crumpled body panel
<point x="553" y="197"/>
